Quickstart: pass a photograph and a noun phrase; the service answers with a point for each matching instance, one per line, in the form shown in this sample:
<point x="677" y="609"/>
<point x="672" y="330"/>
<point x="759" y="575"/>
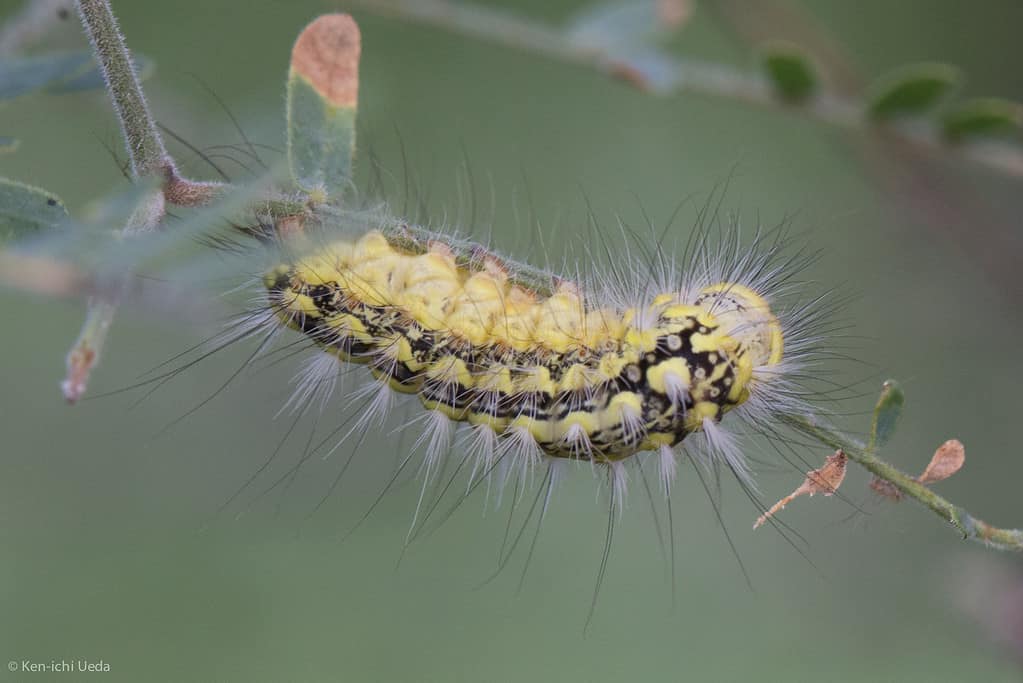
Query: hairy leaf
<point x="26" y="210"/>
<point x="23" y="75"/>
<point x="56" y="73"/>
<point x="886" y="414"/>
<point x="92" y="79"/>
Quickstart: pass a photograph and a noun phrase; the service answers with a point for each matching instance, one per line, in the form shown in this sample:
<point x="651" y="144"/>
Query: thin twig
<point x="686" y="75"/>
<point x="932" y="195"/>
<point x="971" y="527"/>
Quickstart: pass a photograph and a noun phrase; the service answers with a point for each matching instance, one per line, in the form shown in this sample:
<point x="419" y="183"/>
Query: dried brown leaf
<point x="947" y="460"/>
<point x="885" y="488"/>
<point x="825" y="480"/>
<point x="327" y="55"/>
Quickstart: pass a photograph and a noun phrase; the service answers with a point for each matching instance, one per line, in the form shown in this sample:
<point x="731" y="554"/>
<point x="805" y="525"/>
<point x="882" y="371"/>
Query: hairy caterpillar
<point x="556" y="375"/>
<point x="539" y="367"/>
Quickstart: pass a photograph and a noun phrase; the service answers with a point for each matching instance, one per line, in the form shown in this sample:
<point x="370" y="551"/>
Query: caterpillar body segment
<point x="580" y="380"/>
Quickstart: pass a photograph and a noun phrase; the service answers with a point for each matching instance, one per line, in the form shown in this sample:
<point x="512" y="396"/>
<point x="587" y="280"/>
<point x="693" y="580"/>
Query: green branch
<point x="969" y="526"/>
<point x="675" y="75"/>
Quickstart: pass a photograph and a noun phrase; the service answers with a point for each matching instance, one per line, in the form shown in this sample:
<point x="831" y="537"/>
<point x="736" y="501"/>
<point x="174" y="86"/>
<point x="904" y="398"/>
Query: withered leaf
<point x="947" y="460"/>
<point x="885" y="488"/>
<point x="825" y="480"/>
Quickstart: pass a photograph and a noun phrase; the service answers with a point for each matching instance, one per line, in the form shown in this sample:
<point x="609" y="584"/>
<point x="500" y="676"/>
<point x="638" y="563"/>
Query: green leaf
<point x="911" y="90"/>
<point x="8" y="144"/>
<point x="23" y="75"/>
<point x="91" y="78"/>
<point x="26" y="210"/>
<point x="321" y="139"/>
<point x="56" y="73"/>
<point x="982" y="117"/>
<point x="789" y="70"/>
<point x="886" y="414"/>
<point x="322" y="102"/>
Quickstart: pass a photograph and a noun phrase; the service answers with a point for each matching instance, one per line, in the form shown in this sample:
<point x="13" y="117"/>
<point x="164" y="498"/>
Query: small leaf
<point x="25" y="210"/>
<point x="886" y="414"/>
<point x="8" y="144"/>
<point x="615" y="24"/>
<point x="947" y="460"/>
<point x="885" y="489"/>
<point x="789" y="70"/>
<point x="982" y="117"/>
<point x="23" y="75"/>
<point x="323" y="91"/>
<point x="911" y="90"/>
<point x="825" y="480"/>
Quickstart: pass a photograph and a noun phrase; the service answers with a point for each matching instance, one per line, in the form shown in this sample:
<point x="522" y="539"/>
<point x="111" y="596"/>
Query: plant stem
<point x="146" y="151"/>
<point x="147" y="154"/>
<point x="686" y="75"/>
<point x="971" y="527"/>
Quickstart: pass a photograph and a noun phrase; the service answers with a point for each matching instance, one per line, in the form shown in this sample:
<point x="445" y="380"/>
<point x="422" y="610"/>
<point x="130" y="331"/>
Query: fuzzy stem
<point x="689" y="75"/>
<point x="971" y="527"/>
<point x="146" y="151"/>
<point x="147" y="154"/>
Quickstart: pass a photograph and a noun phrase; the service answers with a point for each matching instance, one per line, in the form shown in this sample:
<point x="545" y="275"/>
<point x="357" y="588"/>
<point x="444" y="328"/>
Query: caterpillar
<point x="556" y="374"/>
<point x="539" y="367"/>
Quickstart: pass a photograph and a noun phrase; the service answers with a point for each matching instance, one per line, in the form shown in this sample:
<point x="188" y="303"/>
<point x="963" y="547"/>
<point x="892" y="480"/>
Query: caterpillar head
<point x="747" y="317"/>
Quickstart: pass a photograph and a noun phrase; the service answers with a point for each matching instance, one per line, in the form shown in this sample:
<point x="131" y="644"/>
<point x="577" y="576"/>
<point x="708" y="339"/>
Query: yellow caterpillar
<point x="532" y="362"/>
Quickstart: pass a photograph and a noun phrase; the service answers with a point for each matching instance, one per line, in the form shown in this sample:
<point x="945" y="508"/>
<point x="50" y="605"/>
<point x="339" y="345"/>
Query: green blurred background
<point x="112" y="547"/>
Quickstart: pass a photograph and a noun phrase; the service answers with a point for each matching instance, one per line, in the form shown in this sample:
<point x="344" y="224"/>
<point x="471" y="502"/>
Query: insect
<point x="531" y="364"/>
